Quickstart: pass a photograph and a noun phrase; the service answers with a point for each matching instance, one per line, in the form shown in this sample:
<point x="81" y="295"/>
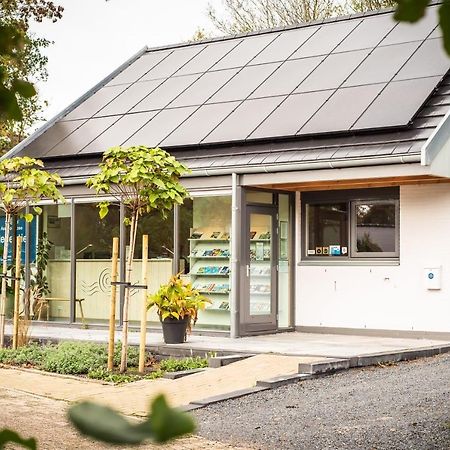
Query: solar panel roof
<point x="349" y="74"/>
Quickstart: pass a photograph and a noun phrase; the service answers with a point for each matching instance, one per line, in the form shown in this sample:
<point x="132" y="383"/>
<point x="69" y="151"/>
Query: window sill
<point x="365" y="262"/>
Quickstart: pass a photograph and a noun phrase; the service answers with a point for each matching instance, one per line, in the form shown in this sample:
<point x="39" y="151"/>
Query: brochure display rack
<point x="260" y="272"/>
<point x="210" y="266"/>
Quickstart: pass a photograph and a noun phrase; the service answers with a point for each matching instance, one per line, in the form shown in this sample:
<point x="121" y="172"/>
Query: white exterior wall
<point x="387" y="297"/>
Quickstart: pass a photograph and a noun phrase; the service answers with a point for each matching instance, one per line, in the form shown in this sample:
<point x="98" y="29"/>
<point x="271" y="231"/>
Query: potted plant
<point x="177" y="304"/>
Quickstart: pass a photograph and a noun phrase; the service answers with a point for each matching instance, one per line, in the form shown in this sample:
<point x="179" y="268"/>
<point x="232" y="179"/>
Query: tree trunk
<point x="133" y="233"/>
<point x="4" y="281"/>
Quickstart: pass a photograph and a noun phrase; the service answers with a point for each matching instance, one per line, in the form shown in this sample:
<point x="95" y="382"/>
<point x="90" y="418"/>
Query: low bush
<point x="176" y="365"/>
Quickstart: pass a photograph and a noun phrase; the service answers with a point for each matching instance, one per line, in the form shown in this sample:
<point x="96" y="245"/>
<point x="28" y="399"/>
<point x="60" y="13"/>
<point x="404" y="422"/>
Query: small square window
<point x="327" y="229"/>
<point x="375" y="228"/>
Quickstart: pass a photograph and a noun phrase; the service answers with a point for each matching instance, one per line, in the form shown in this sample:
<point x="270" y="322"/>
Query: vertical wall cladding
<point x="388" y="297"/>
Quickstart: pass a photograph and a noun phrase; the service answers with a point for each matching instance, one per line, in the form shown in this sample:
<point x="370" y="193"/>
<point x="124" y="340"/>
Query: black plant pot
<point x="174" y="330"/>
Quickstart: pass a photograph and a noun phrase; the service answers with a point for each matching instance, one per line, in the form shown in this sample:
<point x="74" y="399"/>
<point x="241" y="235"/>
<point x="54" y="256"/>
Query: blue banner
<point x="20" y="232"/>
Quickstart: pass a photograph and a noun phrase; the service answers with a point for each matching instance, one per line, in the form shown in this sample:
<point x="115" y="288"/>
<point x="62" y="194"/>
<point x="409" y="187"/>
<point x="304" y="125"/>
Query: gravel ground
<point x="402" y="406"/>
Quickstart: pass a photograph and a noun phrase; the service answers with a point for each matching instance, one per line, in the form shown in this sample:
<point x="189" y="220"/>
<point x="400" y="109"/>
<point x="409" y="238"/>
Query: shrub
<point x="104" y="375"/>
<point x="133" y="355"/>
<point x="176" y="365"/>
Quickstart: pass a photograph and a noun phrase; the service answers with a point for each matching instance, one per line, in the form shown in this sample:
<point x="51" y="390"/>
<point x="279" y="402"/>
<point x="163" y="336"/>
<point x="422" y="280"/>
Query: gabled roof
<point x="342" y="88"/>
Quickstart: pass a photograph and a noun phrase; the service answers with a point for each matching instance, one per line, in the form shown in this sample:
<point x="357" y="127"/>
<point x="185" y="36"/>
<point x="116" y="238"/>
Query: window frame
<point x="353" y="230"/>
<point x="352" y="197"/>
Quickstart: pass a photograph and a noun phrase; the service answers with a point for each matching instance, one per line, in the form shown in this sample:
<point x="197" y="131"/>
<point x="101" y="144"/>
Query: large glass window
<point x="351" y="224"/>
<point x="204" y="232"/>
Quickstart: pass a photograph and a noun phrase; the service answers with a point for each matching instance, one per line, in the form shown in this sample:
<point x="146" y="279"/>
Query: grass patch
<point x="89" y="359"/>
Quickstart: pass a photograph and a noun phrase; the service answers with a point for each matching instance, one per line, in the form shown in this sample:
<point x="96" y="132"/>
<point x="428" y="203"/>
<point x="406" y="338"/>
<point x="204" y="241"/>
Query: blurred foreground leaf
<point x="9" y="436"/>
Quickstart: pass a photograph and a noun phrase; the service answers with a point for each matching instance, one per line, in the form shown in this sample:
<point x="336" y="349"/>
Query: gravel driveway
<point x="402" y="406"/>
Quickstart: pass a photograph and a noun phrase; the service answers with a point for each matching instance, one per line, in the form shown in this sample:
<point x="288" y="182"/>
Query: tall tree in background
<point x="23" y="60"/>
<point x="242" y="16"/>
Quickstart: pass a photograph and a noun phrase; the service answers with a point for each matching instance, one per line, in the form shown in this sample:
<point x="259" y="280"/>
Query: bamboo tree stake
<point x="112" y="314"/>
<point x="17" y="292"/>
<point x="144" y="304"/>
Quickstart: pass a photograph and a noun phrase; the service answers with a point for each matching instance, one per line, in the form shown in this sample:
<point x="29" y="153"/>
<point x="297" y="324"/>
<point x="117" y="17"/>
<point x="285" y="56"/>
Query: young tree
<point x="144" y="180"/>
<point x="23" y="182"/>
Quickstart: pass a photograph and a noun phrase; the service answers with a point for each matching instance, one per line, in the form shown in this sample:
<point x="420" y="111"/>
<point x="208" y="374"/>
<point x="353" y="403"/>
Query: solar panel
<point x="175" y="61"/>
<point x="342" y="109"/>
<point x="333" y="71"/>
<point x="368" y="34"/>
<point x="208" y="57"/>
<point x="430" y="59"/>
<point x="326" y="39"/>
<point x="397" y="103"/>
<point x="203" y="88"/>
<point x="241" y="122"/>
<point x="159" y="127"/>
<point x="285" y="79"/>
<point x="95" y="102"/>
<point x="244" y="83"/>
<point x="283" y="46"/>
<point x="375" y="70"/>
<point x="88" y="131"/>
<point x="405" y="32"/>
<point x="51" y="137"/>
<point x="245" y="51"/>
<point x="199" y="124"/>
<point x="291" y="115"/>
<point x="128" y="98"/>
<point x="139" y="68"/>
<point x="125" y="127"/>
<point x="165" y="93"/>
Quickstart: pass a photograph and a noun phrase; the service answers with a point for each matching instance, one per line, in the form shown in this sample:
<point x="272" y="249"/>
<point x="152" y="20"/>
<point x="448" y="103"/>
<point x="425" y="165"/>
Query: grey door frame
<point x="263" y="323"/>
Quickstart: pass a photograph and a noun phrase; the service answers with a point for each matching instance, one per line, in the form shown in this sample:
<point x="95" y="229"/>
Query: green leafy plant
<point x="106" y="425"/>
<point x="144" y="180"/>
<point x="23" y="182"/>
<point x="178" y="299"/>
<point x="176" y="365"/>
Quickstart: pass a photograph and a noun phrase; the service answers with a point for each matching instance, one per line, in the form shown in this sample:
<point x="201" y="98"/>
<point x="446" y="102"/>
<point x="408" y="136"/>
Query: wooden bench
<point x="46" y="301"/>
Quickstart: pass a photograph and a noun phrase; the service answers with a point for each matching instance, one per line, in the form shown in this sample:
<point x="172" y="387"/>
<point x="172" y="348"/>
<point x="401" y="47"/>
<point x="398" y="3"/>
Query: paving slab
<point x="133" y="399"/>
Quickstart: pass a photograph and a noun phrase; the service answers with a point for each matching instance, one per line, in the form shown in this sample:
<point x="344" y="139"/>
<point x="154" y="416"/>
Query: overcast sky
<point x="95" y="36"/>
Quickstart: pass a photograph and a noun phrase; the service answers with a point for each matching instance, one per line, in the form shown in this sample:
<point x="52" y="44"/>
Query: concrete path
<point x="134" y="398"/>
<point x="294" y="344"/>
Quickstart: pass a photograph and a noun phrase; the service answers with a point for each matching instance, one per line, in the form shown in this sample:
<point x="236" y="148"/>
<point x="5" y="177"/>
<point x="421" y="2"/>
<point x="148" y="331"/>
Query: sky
<point x="94" y="37"/>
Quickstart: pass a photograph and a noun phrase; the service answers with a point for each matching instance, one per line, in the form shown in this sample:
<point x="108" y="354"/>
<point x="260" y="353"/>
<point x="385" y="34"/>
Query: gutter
<point x="274" y="168"/>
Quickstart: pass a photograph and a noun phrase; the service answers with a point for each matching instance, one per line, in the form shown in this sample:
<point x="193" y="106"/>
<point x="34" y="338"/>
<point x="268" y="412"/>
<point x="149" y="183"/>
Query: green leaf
<point x="28" y="217"/>
<point x="410" y="10"/>
<point x="11" y="436"/>
<point x="24" y="88"/>
<point x="103" y="211"/>
<point x="37" y="210"/>
<point x="444" y="22"/>
<point x="169" y="423"/>
<point x="106" y="425"/>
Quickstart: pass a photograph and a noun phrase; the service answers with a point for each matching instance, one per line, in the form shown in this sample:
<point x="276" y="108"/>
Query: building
<point x="322" y="150"/>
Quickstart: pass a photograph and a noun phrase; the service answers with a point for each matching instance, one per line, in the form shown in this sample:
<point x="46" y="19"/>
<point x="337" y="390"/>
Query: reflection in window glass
<point x="54" y="235"/>
<point x="375" y="227"/>
<point x="93" y="252"/>
<point x="328" y="230"/>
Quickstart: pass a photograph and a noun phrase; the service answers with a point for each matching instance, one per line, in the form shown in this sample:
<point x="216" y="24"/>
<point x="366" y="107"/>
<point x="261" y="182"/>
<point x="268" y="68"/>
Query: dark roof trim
<point x="74" y="104"/>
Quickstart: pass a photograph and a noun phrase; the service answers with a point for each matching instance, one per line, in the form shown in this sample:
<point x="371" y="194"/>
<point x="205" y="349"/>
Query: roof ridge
<point x="333" y="19"/>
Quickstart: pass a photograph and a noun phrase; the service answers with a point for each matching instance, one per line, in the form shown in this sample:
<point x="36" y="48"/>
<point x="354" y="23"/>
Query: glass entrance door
<point x="260" y="299"/>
